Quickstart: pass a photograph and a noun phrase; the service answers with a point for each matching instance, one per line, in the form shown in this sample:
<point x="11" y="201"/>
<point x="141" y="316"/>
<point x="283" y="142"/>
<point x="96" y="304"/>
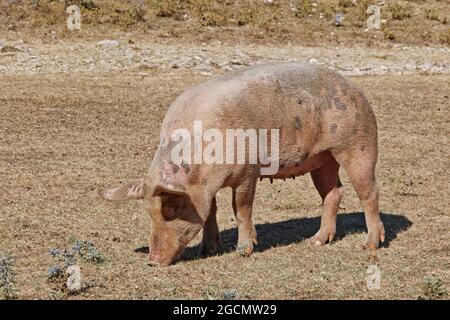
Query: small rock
<point x="338" y="19"/>
<point x="108" y="44"/>
<point x="229" y="295"/>
<point x="74" y="283"/>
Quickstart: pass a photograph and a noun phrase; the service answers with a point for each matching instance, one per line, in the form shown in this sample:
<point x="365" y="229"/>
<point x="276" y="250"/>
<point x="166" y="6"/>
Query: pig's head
<point x="177" y="212"/>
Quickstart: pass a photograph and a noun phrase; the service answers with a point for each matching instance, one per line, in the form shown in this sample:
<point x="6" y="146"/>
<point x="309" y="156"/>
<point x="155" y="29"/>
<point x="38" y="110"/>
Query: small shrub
<point x="303" y="8"/>
<point x="400" y="12"/>
<point x="389" y="35"/>
<point x="34" y="4"/>
<point x="168" y="8"/>
<point x="434" y="288"/>
<point x="137" y="14"/>
<point x="7" y="276"/>
<point x="431" y="14"/>
<point x="87" y="251"/>
<point x="346" y="3"/>
<point x="360" y="11"/>
<point x="445" y="37"/>
<point x="65" y="258"/>
<point x="86" y="4"/>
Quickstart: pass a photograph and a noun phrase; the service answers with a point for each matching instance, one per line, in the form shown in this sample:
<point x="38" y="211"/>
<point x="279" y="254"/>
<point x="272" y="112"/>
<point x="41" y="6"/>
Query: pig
<point x="324" y="122"/>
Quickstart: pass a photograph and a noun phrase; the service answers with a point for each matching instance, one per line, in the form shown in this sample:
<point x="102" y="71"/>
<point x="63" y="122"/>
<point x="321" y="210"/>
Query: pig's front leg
<point x="243" y="197"/>
<point x="211" y="239"/>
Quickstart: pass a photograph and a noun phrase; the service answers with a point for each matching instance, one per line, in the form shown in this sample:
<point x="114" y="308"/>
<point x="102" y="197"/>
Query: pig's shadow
<point x="291" y="231"/>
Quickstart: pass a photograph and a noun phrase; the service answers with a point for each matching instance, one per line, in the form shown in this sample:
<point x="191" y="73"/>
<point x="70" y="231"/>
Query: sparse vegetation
<point x="399" y="11"/>
<point x="445" y="37"/>
<point x="203" y="20"/>
<point x="65" y="258"/>
<point x="84" y="249"/>
<point x="286" y="213"/>
<point x="389" y="35"/>
<point x="433" y="288"/>
<point x="303" y="8"/>
<point x="346" y="3"/>
<point x="87" y="251"/>
<point x="431" y="14"/>
<point x="7" y="276"/>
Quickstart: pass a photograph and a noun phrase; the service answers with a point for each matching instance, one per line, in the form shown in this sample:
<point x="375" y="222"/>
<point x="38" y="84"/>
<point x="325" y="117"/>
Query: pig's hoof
<point x="374" y="237"/>
<point x="208" y="249"/>
<point x="245" y="249"/>
<point x="323" y="236"/>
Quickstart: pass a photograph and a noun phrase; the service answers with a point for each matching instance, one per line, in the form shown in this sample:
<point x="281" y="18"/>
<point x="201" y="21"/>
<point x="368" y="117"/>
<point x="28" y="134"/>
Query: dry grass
<point x="63" y="137"/>
<point x="304" y="22"/>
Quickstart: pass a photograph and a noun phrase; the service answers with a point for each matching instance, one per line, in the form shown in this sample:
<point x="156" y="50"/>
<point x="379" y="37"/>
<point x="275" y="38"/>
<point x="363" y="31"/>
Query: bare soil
<point x="63" y="137"/>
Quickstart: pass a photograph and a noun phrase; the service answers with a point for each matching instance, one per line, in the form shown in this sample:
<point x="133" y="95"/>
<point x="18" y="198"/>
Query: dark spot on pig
<point x="339" y="105"/>
<point x="331" y="92"/>
<point x="297" y="123"/>
<point x="175" y="168"/>
<point x="185" y="167"/>
<point x="333" y="128"/>
<point x="299" y="149"/>
<point x="363" y="147"/>
<point x="299" y="101"/>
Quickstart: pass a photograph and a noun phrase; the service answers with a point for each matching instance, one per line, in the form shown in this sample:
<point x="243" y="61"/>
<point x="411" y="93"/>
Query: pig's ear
<point x="170" y="188"/>
<point x="130" y="191"/>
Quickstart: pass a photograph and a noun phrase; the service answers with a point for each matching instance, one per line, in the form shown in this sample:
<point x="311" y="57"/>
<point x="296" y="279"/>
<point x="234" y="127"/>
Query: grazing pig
<point x="323" y="122"/>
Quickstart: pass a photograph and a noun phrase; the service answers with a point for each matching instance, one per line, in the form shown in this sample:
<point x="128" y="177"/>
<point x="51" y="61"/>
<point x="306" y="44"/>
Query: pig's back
<point x="282" y="92"/>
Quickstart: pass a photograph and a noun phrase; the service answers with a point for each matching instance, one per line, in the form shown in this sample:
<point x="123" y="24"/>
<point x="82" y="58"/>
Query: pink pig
<point x="323" y="122"/>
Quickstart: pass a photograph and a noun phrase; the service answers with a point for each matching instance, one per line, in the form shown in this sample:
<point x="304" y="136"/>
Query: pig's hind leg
<point x="243" y="196"/>
<point x="360" y="166"/>
<point x="326" y="181"/>
<point x="211" y="239"/>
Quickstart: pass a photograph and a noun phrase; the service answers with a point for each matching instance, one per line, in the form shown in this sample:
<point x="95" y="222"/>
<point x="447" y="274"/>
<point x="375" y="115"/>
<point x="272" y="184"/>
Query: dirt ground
<point x="77" y="115"/>
<point x="63" y="137"/>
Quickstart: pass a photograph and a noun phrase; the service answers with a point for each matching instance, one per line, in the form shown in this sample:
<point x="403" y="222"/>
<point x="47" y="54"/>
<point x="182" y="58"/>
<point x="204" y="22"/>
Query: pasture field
<point x="62" y="138"/>
<point x="78" y="113"/>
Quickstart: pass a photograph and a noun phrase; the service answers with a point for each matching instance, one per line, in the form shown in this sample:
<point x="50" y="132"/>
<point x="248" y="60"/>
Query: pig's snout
<point x="161" y="259"/>
<point x="152" y="263"/>
<point x="155" y="261"/>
